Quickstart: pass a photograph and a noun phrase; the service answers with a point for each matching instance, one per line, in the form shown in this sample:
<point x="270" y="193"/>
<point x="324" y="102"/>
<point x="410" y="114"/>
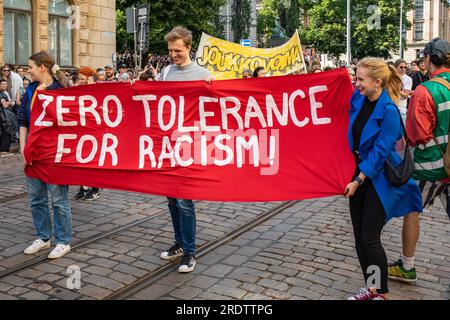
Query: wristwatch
<point x="359" y="180"/>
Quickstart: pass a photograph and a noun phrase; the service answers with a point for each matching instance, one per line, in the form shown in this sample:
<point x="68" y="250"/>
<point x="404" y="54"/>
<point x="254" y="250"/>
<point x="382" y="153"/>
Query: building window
<point x="418" y="31"/>
<point x="60" y="31"/>
<point x="17" y="15"/>
<point x="418" y="11"/>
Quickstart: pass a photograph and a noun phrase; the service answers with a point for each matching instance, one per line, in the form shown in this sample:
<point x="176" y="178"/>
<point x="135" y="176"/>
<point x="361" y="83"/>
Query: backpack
<point x="6" y="134"/>
<point x="446" y="154"/>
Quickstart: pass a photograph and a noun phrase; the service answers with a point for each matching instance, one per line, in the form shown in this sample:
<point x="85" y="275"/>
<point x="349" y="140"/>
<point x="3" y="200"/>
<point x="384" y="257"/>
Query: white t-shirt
<point x="407" y="85"/>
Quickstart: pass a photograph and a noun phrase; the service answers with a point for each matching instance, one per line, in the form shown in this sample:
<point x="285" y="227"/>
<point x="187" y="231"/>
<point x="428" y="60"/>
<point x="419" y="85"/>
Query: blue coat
<point x="377" y="143"/>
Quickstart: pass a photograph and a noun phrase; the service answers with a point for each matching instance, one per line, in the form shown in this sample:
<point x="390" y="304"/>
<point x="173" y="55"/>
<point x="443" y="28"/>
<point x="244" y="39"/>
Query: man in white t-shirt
<point x="407" y="82"/>
<point x="182" y="211"/>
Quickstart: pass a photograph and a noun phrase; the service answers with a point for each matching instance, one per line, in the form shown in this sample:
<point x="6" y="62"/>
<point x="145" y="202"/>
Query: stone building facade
<point x="430" y="19"/>
<point x="226" y="12"/>
<point x="76" y="32"/>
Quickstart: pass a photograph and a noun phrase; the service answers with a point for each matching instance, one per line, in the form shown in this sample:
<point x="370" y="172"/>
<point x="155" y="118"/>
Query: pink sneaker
<point x="366" y="294"/>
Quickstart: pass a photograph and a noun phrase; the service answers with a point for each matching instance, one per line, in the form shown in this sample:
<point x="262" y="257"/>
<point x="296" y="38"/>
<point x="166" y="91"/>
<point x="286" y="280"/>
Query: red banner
<point x="278" y="138"/>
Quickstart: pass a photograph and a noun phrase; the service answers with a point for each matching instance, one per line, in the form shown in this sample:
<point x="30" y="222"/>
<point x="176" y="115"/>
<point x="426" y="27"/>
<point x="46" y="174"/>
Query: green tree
<point x="292" y="15"/>
<point x="289" y="13"/>
<point x="198" y="16"/>
<point x="326" y="30"/>
<point x="241" y="20"/>
<point x="327" y="27"/>
<point x="218" y="25"/>
<point x="265" y="22"/>
<point x="305" y="6"/>
<point x="124" y="40"/>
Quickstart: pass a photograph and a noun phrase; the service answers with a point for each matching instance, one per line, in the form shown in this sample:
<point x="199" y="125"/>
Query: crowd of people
<point x="391" y="102"/>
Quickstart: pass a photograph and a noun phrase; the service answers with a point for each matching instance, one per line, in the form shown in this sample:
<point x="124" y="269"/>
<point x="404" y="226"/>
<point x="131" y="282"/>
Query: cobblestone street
<point x="304" y="252"/>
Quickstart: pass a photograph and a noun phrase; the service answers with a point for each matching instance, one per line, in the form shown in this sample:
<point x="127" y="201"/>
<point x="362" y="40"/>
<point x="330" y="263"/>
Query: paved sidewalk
<point x="305" y="252"/>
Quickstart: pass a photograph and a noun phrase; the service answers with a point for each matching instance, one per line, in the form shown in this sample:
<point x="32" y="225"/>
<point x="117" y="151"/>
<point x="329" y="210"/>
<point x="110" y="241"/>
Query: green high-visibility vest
<point x="428" y="160"/>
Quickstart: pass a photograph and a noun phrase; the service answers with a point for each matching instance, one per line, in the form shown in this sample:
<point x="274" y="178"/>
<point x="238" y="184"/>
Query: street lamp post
<point x="135" y="42"/>
<point x="228" y="21"/>
<point x="401" y="29"/>
<point x="349" y="58"/>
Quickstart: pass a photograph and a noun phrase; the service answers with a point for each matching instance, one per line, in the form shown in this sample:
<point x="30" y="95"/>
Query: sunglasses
<point x="6" y="70"/>
<point x="404" y="68"/>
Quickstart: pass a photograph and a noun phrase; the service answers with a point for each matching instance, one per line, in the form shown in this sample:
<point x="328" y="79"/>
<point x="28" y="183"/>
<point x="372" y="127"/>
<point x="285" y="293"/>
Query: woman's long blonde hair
<point x="390" y="80"/>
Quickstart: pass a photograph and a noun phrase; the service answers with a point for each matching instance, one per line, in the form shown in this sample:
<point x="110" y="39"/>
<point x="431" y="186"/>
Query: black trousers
<point x="368" y="219"/>
<point x="5" y="139"/>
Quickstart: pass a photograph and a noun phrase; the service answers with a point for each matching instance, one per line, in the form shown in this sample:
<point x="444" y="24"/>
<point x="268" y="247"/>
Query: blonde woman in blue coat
<point x="373" y="132"/>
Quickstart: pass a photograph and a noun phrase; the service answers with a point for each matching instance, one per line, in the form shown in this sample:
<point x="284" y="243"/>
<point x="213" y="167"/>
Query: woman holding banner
<point x="374" y="130"/>
<point x="48" y="76"/>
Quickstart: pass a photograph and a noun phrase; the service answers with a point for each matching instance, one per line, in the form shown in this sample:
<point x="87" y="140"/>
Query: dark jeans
<point x="5" y="141"/>
<point x="368" y="219"/>
<point x="184" y="224"/>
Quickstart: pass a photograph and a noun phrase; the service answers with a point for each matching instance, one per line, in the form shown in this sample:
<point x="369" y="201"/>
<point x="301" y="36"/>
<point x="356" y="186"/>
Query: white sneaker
<point x="37" y="246"/>
<point x="59" y="251"/>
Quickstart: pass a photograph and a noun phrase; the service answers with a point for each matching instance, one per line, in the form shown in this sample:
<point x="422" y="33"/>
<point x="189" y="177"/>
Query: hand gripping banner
<point x="266" y="139"/>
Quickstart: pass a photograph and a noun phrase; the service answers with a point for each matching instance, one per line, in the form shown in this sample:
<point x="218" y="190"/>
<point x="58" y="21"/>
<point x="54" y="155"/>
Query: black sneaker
<point x="174" y="252"/>
<point x="91" y="195"/>
<point x="81" y="193"/>
<point x="187" y="264"/>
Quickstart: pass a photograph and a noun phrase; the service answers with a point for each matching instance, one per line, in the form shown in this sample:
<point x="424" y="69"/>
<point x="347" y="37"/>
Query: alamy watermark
<point x="374" y="280"/>
<point x="74" y="19"/>
<point x="74" y="280"/>
<point x="374" y="21"/>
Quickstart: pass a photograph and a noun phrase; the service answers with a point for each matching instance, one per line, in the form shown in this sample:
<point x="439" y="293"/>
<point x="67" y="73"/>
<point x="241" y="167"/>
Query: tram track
<point x="82" y="243"/>
<point x="164" y="270"/>
<point x="13" y="182"/>
<point x="14" y="197"/>
<point x="147" y="280"/>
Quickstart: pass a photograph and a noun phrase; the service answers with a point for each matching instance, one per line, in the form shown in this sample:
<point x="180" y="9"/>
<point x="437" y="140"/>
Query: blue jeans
<point x="38" y="194"/>
<point x="183" y="220"/>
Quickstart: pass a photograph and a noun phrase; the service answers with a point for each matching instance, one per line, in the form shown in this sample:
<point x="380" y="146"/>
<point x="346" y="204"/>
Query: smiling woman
<point x="375" y="127"/>
<point x="371" y="76"/>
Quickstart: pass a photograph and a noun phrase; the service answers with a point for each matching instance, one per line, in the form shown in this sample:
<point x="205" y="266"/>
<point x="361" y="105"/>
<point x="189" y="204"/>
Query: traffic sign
<point x="143" y="11"/>
<point x="130" y="20"/>
<point x="246" y="42"/>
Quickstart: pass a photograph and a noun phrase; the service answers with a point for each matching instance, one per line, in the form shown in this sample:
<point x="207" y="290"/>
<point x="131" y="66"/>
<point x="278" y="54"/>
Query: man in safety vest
<point x="427" y="127"/>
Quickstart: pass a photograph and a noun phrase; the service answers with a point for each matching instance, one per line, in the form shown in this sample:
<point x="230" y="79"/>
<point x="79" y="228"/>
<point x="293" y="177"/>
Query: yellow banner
<point x="227" y="60"/>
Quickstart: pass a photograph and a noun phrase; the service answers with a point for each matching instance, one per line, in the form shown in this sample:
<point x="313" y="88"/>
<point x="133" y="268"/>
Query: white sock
<point x="408" y="262"/>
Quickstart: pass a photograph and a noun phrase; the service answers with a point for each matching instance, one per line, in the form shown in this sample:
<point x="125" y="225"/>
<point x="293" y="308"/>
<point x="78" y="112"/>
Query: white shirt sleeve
<point x="407" y="82"/>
